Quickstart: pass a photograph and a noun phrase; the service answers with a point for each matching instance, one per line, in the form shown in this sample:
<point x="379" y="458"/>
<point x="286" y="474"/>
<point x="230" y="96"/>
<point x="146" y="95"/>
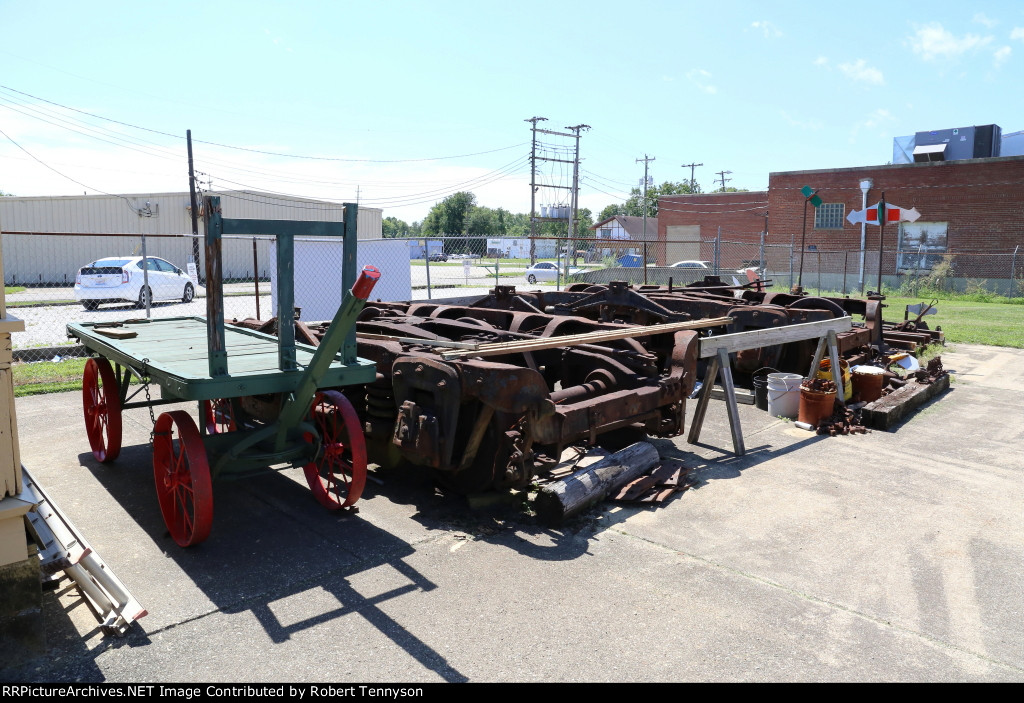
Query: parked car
<point x="541" y="271"/>
<point x="545" y="271"/>
<point x="691" y="265"/>
<point x="122" y="279"/>
<point x="439" y="257"/>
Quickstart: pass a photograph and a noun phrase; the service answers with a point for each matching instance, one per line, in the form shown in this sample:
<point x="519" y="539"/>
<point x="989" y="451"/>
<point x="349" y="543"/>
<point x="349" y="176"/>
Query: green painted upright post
<point x="286" y="303"/>
<point x="216" y="347"/>
<point x="348" y="275"/>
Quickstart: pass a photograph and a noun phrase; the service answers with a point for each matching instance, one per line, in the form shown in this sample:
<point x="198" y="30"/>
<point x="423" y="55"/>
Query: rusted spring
<point x="380" y="402"/>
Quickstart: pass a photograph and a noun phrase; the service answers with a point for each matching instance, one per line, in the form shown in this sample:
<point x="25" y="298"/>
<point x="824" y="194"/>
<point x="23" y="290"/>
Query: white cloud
<point x="795" y="121"/>
<point x="821" y="61"/>
<point x="767" y="28"/>
<point x="981" y="18"/>
<point x="702" y="79"/>
<point x="1002" y="55"/>
<point x="1017" y="33"/>
<point x="933" y="41"/>
<point x="860" y="71"/>
<point x="876" y="119"/>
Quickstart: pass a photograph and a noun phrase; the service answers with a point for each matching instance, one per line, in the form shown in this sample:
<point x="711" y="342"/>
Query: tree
<point x="450" y="215"/>
<point x="611" y="211"/>
<point x="584" y="221"/>
<point x="483" y="222"/>
<point x="634" y="206"/>
<point x="394" y="227"/>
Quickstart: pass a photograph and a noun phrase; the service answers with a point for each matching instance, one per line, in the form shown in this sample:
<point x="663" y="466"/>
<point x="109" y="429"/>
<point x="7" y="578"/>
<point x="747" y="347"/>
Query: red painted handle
<point x="367" y="280"/>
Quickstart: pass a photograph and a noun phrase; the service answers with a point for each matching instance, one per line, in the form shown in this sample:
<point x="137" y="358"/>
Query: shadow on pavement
<point x="270" y="541"/>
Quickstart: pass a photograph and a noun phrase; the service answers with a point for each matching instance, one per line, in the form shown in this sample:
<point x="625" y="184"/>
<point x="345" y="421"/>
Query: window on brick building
<point x="921" y="244"/>
<point x="829" y="216"/>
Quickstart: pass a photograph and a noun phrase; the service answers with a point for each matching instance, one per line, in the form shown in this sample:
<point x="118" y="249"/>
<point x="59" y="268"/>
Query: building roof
<point x="633" y="225"/>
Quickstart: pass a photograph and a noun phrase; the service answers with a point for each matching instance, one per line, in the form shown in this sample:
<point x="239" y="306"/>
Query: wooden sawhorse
<point x="717" y="349"/>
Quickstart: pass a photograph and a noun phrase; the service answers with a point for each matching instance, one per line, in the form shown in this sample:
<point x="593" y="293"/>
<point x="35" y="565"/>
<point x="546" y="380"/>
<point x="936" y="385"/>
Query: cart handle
<point x="368" y="277"/>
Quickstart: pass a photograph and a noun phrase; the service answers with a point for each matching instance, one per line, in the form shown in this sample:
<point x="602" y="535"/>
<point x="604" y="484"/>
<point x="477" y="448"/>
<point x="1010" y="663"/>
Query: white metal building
<point x="47" y="239"/>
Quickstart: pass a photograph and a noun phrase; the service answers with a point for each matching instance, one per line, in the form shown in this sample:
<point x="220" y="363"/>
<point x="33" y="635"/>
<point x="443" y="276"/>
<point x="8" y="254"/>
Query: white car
<point x="541" y="271"/>
<point x="690" y="265"/>
<point x="122" y="279"/>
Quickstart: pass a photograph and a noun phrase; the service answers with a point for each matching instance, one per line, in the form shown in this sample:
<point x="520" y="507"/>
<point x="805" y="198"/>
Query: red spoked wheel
<point x="218" y="417"/>
<point x="102" y="403"/>
<point x="338" y="474"/>
<point x="182" y="477"/>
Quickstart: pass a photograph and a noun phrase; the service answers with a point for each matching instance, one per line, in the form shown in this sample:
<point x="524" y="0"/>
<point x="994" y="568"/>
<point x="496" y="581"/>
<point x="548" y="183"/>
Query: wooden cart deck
<point x="174" y="353"/>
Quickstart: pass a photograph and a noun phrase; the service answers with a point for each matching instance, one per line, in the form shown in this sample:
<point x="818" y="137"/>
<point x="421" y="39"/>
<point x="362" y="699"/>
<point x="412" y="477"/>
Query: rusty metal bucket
<point x="815" y="406"/>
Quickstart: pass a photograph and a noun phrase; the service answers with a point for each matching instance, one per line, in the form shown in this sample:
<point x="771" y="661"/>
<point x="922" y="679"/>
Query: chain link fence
<point x="41" y="273"/>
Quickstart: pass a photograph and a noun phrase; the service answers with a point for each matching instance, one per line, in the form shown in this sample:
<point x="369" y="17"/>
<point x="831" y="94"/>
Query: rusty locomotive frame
<point x="484" y="423"/>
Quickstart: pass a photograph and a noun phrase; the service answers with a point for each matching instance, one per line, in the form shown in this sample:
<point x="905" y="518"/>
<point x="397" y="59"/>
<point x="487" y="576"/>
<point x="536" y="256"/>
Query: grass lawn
<point x="13" y="289"/>
<point x="996" y="324"/>
<point x="47" y="376"/>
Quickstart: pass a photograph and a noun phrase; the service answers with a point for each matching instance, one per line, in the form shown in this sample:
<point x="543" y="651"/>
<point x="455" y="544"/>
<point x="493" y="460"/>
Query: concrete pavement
<point x="881" y="557"/>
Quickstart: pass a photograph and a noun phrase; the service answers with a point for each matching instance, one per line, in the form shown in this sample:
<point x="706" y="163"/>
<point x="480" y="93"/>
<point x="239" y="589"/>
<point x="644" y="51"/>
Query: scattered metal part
<point x="662" y="482"/>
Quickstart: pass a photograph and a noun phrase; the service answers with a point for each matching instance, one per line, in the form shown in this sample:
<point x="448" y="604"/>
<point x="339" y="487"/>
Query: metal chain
<point x="144" y="377"/>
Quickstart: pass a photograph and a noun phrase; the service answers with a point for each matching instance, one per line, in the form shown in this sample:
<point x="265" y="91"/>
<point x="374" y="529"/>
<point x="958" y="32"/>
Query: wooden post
<point x="702" y="400"/>
<point x="349" y="273"/>
<point x="573" y="494"/>
<point x="725" y="371"/>
<point x="214" y="287"/>
<point x="719" y="367"/>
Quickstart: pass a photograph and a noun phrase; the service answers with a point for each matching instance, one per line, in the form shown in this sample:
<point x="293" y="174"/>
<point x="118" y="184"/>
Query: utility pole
<point x="723" y="179"/>
<point x="645" y="160"/>
<point x="533" y="188"/>
<point x="693" y="183"/>
<point x="575" y="195"/>
<point x="193" y="204"/>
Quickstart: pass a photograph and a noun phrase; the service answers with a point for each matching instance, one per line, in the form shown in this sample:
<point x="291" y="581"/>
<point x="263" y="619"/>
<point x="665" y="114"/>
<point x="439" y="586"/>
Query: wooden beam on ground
<point x="889" y="410"/>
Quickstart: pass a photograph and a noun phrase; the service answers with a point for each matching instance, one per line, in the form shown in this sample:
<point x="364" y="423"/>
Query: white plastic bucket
<point x="784" y="394"/>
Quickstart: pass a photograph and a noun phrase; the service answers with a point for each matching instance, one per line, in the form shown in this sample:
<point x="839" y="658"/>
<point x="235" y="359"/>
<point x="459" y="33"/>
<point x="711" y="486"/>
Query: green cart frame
<point x="199" y="359"/>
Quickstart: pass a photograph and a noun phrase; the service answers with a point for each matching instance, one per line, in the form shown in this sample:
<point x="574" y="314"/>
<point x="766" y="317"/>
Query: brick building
<point x="973" y="208"/>
<point x="687" y="223"/>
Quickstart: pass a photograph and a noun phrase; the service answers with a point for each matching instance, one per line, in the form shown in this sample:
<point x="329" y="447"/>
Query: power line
<point x="261" y="151"/>
<point x="88" y="187"/>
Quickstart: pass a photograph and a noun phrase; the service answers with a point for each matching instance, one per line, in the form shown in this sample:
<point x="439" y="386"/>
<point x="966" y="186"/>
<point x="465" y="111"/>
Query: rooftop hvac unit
<point x="958" y="143"/>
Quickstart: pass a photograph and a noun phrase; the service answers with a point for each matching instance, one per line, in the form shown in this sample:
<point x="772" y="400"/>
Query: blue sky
<point x="384" y="93"/>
